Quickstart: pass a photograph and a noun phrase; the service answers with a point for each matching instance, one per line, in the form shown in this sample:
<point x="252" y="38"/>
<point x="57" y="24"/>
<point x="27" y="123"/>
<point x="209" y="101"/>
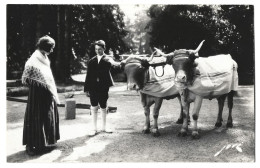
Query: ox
<point x="136" y="71"/>
<point x="188" y="82"/>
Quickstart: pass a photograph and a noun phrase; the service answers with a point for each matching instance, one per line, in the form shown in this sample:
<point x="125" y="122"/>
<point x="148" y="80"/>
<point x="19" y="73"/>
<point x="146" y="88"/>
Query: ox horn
<point x="198" y="48"/>
<point x="158" y="51"/>
<point x="151" y="57"/>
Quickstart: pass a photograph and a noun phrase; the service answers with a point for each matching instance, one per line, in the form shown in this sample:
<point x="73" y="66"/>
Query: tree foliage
<point x="226" y="29"/>
<point x="242" y="42"/>
<point x="74" y="28"/>
<point x="23" y="29"/>
<point x="94" y="22"/>
<point x="137" y="38"/>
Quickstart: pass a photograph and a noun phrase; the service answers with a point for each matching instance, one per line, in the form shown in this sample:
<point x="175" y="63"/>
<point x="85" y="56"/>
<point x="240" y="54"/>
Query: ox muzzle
<point x="132" y="86"/>
<point x="181" y="79"/>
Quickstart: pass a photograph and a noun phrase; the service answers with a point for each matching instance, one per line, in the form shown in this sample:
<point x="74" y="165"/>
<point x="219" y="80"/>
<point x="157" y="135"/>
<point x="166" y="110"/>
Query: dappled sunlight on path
<point x="90" y="147"/>
<point x="49" y="157"/>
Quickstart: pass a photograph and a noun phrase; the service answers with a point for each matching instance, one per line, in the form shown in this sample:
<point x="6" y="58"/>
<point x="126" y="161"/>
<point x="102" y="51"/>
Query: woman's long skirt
<point x="41" y="121"/>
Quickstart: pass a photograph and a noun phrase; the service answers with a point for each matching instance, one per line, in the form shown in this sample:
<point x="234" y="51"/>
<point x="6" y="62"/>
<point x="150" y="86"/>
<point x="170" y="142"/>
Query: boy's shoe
<point x="92" y="133"/>
<point x="109" y="131"/>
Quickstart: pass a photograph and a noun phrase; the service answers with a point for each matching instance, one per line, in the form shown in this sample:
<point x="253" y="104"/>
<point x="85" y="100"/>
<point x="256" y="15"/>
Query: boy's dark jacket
<point x="98" y="71"/>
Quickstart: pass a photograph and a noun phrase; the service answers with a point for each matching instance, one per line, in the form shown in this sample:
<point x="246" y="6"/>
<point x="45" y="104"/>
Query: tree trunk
<point x="39" y="23"/>
<point x="58" y="44"/>
<point x="67" y="41"/>
<point x="63" y="44"/>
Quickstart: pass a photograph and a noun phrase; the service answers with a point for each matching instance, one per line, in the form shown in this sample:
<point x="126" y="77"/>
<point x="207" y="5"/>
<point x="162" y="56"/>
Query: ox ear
<point x="192" y="57"/>
<point x="122" y="64"/>
<point x="145" y="63"/>
<point x="195" y="64"/>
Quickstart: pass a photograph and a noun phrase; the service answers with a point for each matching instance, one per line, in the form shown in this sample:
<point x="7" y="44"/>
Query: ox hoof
<point x="195" y="135"/>
<point x="146" y="131"/>
<point x="156" y="134"/>
<point x="182" y="134"/>
<point x="179" y="121"/>
<point x="218" y="124"/>
<point x="229" y="125"/>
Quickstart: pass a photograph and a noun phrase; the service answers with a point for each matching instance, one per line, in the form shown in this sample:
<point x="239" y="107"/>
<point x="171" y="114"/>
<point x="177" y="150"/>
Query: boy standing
<point x="97" y="83"/>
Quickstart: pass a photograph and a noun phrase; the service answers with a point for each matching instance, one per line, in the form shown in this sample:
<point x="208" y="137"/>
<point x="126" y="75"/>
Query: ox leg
<point x="230" y="106"/>
<point x="157" y="106"/>
<point x="221" y="101"/>
<point x="146" y="106"/>
<point x="146" y="129"/>
<point x="185" y="106"/>
<point x="180" y="119"/>
<point x="195" y="116"/>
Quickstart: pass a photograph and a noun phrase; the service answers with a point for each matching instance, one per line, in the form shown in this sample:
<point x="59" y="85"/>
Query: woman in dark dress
<point x="41" y="121"/>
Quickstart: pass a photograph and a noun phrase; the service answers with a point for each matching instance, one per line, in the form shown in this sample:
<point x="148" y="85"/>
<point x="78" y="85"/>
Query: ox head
<point x="135" y="68"/>
<point x="184" y="64"/>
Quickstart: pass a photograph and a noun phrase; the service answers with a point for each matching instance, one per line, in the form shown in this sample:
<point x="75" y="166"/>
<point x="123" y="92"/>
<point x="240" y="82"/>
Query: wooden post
<point x="70" y="109"/>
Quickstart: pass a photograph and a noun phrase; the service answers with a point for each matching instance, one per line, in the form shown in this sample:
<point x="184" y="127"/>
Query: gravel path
<point x="128" y="144"/>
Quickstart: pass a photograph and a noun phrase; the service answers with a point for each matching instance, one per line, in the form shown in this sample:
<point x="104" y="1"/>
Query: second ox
<point x="203" y="78"/>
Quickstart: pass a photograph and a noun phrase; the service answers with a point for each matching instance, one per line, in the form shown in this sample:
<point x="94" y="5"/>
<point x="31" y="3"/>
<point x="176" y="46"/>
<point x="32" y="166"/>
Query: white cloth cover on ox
<point x="217" y="76"/>
<point x="160" y="86"/>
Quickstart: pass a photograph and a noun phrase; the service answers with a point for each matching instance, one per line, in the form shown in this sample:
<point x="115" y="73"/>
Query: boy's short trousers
<point x="99" y="97"/>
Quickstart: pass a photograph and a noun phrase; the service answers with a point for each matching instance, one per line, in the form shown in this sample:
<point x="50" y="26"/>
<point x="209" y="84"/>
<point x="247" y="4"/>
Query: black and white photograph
<point x="130" y="83"/>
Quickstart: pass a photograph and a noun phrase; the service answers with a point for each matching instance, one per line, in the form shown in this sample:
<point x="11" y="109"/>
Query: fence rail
<point x="78" y="105"/>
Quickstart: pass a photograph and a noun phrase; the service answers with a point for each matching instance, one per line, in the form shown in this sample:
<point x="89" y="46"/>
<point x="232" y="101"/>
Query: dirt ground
<point x="128" y="144"/>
